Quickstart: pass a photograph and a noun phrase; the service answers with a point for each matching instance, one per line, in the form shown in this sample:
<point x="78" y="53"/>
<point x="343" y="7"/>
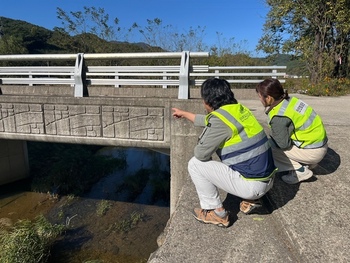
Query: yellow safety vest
<point x="248" y="150"/>
<point x="309" y="131"/>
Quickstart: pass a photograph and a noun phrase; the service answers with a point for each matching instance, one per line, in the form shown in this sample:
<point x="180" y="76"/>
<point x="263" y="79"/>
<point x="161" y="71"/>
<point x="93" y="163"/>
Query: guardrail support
<point x="80" y="89"/>
<point x="184" y="79"/>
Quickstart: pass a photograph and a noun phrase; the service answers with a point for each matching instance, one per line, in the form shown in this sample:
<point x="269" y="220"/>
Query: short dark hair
<point x="217" y="92"/>
<point x="272" y="87"/>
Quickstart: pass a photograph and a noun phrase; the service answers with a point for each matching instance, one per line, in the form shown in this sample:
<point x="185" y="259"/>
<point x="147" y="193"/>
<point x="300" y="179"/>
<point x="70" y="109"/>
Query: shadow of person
<point x="281" y="193"/>
<point x="232" y="204"/>
<point x="329" y="163"/>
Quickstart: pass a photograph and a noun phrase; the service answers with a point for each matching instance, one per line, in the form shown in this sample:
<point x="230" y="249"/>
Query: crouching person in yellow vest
<point x="246" y="168"/>
<point x="298" y="136"/>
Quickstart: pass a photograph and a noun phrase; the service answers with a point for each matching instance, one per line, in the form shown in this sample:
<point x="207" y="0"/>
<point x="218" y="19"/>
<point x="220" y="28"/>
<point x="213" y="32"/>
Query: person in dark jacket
<point x="298" y="137"/>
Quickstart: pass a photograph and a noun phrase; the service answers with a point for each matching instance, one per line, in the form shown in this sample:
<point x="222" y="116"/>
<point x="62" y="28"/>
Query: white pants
<point x="293" y="158"/>
<point x="211" y="175"/>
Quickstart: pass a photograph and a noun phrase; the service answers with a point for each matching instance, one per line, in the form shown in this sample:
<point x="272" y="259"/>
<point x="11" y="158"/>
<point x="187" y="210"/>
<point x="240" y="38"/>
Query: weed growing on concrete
<point x="102" y="207"/>
<point x="60" y="214"/>
<point x="127" y="224"/>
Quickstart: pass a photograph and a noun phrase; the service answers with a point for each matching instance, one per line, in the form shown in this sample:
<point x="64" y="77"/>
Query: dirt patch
<point x="25" y="205"/>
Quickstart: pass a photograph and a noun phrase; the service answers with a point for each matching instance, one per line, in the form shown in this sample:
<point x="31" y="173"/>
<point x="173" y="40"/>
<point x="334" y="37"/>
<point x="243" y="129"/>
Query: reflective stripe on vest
<point x="296" y="110"/>
<point x="243" y="147"/>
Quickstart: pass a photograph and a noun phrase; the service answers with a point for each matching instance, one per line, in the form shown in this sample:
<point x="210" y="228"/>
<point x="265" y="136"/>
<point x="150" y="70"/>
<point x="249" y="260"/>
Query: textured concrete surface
<point x="307" y="222"/>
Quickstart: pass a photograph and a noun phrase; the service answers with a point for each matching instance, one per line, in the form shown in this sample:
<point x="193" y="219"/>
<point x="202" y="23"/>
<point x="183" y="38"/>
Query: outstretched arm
<point x="177" y="113"/>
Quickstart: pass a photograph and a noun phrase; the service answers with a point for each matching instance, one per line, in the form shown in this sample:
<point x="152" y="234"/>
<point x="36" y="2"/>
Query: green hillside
<point x="32" y="39"/>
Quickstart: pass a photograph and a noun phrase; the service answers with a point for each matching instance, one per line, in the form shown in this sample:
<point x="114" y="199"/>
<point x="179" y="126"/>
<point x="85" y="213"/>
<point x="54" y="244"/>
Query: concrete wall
<point x="13" y="161"/>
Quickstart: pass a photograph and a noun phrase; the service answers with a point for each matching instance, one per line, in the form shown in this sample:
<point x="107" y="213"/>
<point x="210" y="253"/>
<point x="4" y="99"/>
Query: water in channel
<point x="126" y="232"/>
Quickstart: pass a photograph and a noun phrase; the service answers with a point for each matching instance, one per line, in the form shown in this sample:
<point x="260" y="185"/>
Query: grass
<point x="127" y="224"/>
<point x="28" y="241"/>
<point x="102" y="207"/>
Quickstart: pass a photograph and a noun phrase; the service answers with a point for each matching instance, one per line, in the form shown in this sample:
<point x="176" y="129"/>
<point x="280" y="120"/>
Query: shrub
<point x="330" y="87"/>
<point x="327" y="87"/>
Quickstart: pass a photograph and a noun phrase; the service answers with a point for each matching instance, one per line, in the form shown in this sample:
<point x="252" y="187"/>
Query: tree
<point x="229" y="46"/>
<point x="153" y="34"/>
<point x="317" y="31"/>
<point x="11" y="45"/>
<point x="91" y="21"/>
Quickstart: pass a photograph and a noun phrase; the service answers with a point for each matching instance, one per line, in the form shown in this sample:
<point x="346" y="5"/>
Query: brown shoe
<point x="209" y="217"/>
<point x="247" y="206"/>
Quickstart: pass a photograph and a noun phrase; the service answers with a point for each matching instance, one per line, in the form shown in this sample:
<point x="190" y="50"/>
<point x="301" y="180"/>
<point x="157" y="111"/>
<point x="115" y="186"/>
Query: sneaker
<point x="247" y="206"/>
<point x="297" y="176"/>
<point x="209" y="217"/>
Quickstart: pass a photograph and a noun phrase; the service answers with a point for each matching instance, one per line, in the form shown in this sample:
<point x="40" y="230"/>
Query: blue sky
<point x="239" y="19"/>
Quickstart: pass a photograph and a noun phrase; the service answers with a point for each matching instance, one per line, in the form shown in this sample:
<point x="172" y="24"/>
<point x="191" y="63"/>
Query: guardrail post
<point x="165" y="78"/>
<point x="184" y="77"/>
<point x="80" y="77"/>
<point x="274" y="72"/>
<point x="116" y="78"/>
<point x="30" y="76"/>
<point x="217" y="72"/>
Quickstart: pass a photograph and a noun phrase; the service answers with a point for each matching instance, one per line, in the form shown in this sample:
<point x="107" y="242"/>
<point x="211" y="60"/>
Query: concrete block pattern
<point x="93" y="121"/>
<point x="139" y="123"/>
<point x="21" y="118"/>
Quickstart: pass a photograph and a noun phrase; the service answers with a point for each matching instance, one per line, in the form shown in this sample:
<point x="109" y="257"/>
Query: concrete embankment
<point x="307" y="222"/>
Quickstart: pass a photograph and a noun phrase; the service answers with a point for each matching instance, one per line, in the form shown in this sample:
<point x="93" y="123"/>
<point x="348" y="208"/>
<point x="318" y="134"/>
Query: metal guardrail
<point x="80" y="76"/>
<point x="234" y="74"/>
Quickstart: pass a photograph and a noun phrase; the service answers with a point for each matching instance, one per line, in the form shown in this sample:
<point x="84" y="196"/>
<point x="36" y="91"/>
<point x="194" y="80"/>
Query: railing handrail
<point x="80" y="76"/>
<point x="245" y="67"/>
<point x="88" y="56"/>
